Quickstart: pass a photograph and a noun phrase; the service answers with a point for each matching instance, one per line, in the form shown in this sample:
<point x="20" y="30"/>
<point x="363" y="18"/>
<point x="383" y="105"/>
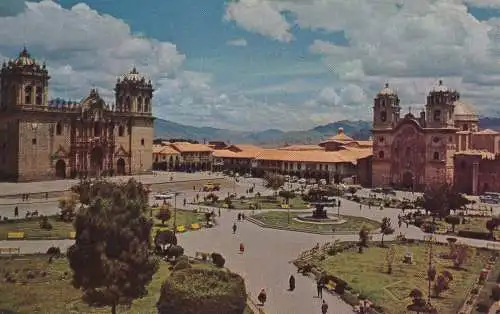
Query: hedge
<point x="208" y="291"/>
<point x="481" y="235"/>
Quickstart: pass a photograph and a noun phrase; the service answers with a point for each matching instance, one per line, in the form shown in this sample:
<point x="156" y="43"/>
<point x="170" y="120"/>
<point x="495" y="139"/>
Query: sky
<point x="260" y="64"/>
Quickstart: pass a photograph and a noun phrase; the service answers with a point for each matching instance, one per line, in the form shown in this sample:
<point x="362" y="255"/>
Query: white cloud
<point x="240" y="42"/>
<point x="260" y="17"/>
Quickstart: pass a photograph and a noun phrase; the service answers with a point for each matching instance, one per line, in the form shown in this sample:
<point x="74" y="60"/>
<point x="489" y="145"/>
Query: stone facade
<point x="42" y="139"/>
<point x="441" y="145"/>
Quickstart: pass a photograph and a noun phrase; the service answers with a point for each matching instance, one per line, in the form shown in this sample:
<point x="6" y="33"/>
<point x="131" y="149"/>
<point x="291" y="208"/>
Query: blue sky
<point x="257" y="64"/>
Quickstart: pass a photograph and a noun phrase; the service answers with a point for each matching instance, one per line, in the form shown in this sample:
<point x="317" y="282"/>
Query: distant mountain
<point x="272" y="137"/>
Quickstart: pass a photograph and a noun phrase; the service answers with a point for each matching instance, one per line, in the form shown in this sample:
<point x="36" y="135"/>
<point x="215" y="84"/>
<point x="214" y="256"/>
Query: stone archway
<point x="408" y="181"/>
<point x="120" y="167"/>
<point x="96" y="161"/>
<point x="61" y="169"/>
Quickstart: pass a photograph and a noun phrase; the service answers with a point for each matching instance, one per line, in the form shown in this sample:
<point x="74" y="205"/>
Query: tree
<point x="164" y="238"/>
<point x="435" y="201"/>
<point x="385" y="228"/>
<point x="273" y="181"/>
<point x="164" y="214"/>
<point x="287" y="195"/>
<point x="334" y="190"/>
<point x="461" y="255"/>
<point x="453" y="221"/>
<point x="442" y="283"/>
<point x="110" y="259"/>
<point x="390" y="257"/>
<point x="195" y="290"/>
<point x="67" y="205"/>
<point x="364" y="237"/>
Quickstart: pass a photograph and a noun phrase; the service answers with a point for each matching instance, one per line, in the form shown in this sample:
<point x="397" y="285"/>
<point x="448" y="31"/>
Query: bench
<point x="285" y="206"/>
<point x="195" y="226"/>
<point x="72" y="235"/>
<point x="181" y="228"/>
<point x="15" y="235"/>
<point x="330" y="286"/>
<point x="225" y="205"/>
<point x="10" y="250"/>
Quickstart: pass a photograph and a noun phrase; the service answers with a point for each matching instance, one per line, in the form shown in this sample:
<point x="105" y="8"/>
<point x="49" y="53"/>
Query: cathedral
<point x="442" y="144"/>
<point x="44" y="139"/>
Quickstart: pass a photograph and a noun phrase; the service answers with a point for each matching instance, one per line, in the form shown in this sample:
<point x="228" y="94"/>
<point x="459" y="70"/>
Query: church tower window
<point x="39" y="92"/>
<point x="27" y="95"/>
<point x="139" y="104"/>
<point x="58" y="128"/>
<point x="383" y="116"/>
<point x="121" y="130"/>
<point x="437" y="115"/>
<point x="381" y="154"/>
<point x="436" y="156"/>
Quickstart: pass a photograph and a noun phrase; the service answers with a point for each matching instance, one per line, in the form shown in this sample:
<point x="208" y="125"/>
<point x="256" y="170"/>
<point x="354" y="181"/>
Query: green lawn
<point x="265" y="202"/>
<point x="53" y="293"/>
<point x="280" y="219"/>
<point x="184" y="217"/>
<point x="32" y="230"/>
<point x="61" y="230"/>
<point x="367" y="273"/>
<point x="472" y="224"/>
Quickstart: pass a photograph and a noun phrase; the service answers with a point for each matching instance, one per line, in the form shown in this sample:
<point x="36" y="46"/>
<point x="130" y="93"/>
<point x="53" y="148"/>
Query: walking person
<point x="324" y="307"/>
<point x="234" y="228"/>
<point x="291" y="283"/>
<point x="262" y="297"/>
<point x="319" y="288"/>
<point x="242" y="248"/>
<point x="16" y="212"/>
<point x="360" y="207"/>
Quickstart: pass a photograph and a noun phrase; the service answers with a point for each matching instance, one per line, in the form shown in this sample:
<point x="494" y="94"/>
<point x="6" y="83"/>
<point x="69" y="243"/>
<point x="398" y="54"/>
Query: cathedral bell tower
<point x="440" y="106"/>
<point x="24" y="83"/>
<point x="386" y="109"/>
<point x="133" y="94"/>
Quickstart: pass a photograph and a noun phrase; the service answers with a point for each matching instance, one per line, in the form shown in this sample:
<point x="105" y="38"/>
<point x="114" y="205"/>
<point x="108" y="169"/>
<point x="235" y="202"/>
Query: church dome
<point x="24" y="59"/>
<point x="387" y="91"/>
<point x="133" y="76"/>
<point x="464" y="112"/>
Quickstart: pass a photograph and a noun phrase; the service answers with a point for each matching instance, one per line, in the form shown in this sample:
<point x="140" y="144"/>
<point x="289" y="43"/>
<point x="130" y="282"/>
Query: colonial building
<point x="42" y="139"/>
<point x="182" y="156"/>
<point x="441" y="145"/>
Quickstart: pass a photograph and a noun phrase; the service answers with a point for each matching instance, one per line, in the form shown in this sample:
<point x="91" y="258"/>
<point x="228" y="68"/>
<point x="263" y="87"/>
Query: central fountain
<point x="318" y="198"/>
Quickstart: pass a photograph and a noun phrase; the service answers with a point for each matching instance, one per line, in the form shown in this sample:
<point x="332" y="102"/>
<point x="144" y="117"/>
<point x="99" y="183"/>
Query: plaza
<point x="266" y="262"/>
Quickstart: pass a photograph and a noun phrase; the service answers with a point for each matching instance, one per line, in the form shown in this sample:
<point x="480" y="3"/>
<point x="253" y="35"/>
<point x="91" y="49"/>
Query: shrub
<point x="193" y="291"/>
<point x="419" y="221"/>
<point x="181" y="265"/>
<point x="54" y="250"/>
<point x="44" y="223"/>
<point x="218" y="260"/>
<point x="174" y="251"/>
<point x="30" y="275"/>
<point x="340" y="287"/>
<point x="474" y="234"/>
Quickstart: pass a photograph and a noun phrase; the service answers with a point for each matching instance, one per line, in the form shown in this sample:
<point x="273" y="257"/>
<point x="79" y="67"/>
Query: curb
<point x="263" y="225"/>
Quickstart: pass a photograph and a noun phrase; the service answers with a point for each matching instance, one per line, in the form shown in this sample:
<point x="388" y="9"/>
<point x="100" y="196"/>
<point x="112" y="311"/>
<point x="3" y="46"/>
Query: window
<point x="381" y="139"/>
<point x="383" y="116"/>
<point x="127" y="103"/>
<point x="381" y="155"/>
<point x="437" y="115"/>
<point x="435" y="139"/>
<point x="121" y="130"/>
<point x="142" y="141"/>
<point x="33" y="141"/>
<point x="465" y="127"/>
<point x="58" y="128"/>
<point x="27" y="95"/>
<point x="146" y="105"/>
<point x="39" y="95"/>
<point x="320" y="167"/>
<point x="97" y="129"/>
<point x="139" y="104"/>
<point x="436" y="156"/>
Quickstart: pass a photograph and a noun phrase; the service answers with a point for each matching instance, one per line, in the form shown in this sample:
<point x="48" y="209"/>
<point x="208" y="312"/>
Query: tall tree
<point x="385" y="228"/>
<point x="287" y="195"/>
<point x="273" y="181"/>
<point x="110" y="259"/>
<point x="164" y="214"/>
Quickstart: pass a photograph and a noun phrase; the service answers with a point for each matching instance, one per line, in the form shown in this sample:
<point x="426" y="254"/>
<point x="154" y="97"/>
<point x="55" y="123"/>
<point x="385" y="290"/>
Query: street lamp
<point x="175" y="211"/>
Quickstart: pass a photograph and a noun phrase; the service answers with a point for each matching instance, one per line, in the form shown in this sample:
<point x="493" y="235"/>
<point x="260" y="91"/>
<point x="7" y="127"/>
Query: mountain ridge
<point x="359" y="129"/>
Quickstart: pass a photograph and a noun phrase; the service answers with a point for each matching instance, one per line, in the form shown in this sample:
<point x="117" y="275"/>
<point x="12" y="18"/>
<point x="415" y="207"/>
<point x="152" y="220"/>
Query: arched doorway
<point x="96" y="161"/>
<point x="120" y="167"/>
<point x="408" y="180"/>
<point x="61" y="169"/>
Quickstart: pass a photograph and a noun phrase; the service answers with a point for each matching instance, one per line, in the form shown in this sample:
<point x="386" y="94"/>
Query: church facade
<point x="44" y="139"/>
<point x="442" y="144"/>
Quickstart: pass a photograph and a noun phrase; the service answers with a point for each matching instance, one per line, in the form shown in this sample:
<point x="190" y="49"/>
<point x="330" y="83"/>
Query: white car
<point x="164" y="196"/>
<point x="302" y="181"/>
<point x="322" y="181"/>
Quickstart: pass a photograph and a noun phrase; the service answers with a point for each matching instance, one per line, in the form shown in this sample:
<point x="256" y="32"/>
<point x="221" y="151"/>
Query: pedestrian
<point x="239" y="216"/>
<point x="185" y="201"/>
<point x="319" y="288"/>
<point x="262" y="297"/>
<point x="242" y="248"/>
<point x="234" y="228"/>
<point x="46" y="195"/>
<point x="291" y="282"/>
<point x="399" y="223"/>
<point x="407" y="224"/>
<point x="324" y="307"/>
<point x="242" y="216"/>
<point x="219" y="211"/>
<point x="360" y="206"/>
<point x="16" y="212"/>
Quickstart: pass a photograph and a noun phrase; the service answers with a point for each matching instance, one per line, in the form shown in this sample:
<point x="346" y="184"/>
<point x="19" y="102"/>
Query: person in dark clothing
<point x="324" y="307"/>
<point x="291" y="282"/>
<point x="262" y="297"/>
<point x="239" y="216"/>
<point x="16" y="212"/>
<point x="319" y="287"/>
<point x="234" y="228"/>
